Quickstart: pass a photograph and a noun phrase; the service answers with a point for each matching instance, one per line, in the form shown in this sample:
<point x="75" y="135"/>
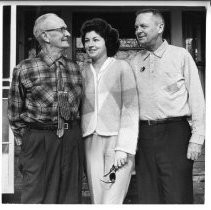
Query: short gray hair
<point x="38" y="26"/>
<point x="155" y="12"/>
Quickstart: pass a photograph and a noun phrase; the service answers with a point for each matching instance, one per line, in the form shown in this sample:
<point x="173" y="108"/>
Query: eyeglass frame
<point x="61" y="29"/>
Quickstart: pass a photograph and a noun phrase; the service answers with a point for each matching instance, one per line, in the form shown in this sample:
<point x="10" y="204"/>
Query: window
<point x="194" y="30"/>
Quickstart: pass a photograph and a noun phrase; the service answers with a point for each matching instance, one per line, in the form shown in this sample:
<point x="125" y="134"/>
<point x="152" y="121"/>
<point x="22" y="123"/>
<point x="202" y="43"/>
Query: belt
<point x="163" y="121"/>
<point x="42" y="126"/>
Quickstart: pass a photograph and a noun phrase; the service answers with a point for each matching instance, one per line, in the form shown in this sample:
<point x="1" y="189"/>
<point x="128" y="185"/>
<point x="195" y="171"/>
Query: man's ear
<point x="45" y="37"/>
<point x="161" y="28"/>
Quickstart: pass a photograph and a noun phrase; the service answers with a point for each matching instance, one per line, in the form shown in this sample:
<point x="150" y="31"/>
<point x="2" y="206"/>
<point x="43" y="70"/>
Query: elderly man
<point x="43" y="111"/>
<point x="170" y="93"/>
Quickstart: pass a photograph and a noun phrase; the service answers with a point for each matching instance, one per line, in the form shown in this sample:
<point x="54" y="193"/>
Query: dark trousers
<point x="164" y="174"/>
<point x="52" y="167"/>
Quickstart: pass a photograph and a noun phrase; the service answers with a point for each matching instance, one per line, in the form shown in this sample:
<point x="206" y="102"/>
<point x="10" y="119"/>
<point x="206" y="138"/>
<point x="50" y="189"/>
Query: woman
<point x="109" y="114"/>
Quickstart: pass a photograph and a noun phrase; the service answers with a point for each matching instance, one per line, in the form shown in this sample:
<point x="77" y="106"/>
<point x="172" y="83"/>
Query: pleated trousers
<point x="52" y="167"/>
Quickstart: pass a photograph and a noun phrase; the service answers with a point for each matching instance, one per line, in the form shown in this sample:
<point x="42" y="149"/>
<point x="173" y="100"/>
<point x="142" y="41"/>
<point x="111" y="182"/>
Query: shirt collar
<point x="50" y="60"/>
<point x="145" y="54"/>
<point x="159" y="52"/>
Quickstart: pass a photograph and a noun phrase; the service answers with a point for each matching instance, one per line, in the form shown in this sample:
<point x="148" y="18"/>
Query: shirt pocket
<point x="172" y="80"/>
<point x="174" y="86"/>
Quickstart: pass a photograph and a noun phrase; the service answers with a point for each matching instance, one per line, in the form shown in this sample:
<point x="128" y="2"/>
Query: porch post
<point x="176" y="27"/>
<point x="208" y="103"/>
<point x="12" y="65"/>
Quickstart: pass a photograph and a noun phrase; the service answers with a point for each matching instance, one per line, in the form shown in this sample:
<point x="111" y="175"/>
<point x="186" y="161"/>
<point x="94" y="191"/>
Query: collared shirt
<point x="33" y="92"/>
<point x="169" y="86"/>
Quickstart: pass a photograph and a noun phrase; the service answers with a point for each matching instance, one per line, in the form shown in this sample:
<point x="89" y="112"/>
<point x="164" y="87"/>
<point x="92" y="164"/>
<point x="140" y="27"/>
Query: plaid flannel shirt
<point x="33" y="92"/>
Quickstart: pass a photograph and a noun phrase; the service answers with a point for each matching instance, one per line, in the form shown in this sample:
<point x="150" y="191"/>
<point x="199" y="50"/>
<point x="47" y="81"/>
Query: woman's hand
<point x="120" y="159"/>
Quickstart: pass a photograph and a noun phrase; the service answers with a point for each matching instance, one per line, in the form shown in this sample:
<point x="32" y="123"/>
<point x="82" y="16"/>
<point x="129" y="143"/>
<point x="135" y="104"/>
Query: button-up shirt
<point x="33" y="92"/>
<point x="169" y="86"/>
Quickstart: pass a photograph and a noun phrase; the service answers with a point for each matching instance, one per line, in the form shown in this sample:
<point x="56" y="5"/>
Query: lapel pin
<point x="142" y="69"/>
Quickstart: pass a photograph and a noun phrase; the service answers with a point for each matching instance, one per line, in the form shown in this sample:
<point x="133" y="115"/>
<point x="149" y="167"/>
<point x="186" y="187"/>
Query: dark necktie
<point x="63" y="104"/>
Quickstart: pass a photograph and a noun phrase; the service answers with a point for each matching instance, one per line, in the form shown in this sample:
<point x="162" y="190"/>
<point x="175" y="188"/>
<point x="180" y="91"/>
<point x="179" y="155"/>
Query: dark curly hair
<point x="109" y="34"/>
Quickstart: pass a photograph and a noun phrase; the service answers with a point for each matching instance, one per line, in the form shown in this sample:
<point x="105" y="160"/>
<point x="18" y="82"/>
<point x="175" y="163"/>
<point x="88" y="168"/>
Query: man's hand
<point x="194" y="151"/>
<point x="18" y="141"/>
<point x="120" y="159"/>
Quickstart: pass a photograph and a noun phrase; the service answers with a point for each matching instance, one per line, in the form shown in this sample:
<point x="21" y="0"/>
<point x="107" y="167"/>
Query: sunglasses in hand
<point x="111" y="175"/>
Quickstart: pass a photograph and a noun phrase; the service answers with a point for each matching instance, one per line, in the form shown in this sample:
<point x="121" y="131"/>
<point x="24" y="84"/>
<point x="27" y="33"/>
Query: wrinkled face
<point x="95" y="45"/>
<point x="57" y="32"/>
<point x="147" y="29"/>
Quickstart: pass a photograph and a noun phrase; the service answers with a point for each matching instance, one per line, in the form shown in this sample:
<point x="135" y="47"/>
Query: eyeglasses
<point x="62" y="29"/>
<point x="111" y="174"/>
